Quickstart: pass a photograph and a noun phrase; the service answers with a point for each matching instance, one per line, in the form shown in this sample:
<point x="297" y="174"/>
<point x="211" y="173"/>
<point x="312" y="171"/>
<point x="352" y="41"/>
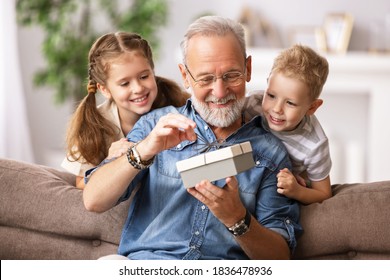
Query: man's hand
<point x="169" y="131"/>
<point x="224" y="203"/>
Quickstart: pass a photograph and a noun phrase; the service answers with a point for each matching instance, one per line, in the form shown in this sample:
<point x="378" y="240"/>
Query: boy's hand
<point x="287" y="183"/>
<point x="301" y="181"/>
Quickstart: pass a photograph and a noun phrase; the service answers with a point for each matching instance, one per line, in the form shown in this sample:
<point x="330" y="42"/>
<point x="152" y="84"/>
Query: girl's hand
<point x="118" y="148"/>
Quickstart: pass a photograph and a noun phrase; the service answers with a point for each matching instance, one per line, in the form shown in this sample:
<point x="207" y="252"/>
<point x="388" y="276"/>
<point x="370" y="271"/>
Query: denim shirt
<point x="166" y="222"/>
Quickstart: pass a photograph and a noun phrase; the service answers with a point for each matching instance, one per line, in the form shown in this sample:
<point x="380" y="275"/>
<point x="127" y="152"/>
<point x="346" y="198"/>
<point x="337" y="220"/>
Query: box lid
<point x="214" y="156"/>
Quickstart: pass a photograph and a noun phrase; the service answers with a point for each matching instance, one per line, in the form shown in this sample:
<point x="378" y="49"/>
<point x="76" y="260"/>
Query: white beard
<point x="219" y="117"/>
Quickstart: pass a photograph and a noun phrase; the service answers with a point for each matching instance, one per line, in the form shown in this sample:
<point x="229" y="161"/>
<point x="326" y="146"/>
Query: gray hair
<point x="213" y="26"/>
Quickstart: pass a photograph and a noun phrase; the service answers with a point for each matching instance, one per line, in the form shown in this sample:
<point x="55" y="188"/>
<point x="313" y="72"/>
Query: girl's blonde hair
<point x="89" y="134"/>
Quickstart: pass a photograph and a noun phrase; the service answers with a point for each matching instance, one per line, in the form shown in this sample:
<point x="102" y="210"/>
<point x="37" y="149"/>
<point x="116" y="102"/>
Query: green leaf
<point x="70" y="31"/>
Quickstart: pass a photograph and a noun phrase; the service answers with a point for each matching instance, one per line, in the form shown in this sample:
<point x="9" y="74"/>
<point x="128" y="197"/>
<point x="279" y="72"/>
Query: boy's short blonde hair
<point x="304" y="64"/>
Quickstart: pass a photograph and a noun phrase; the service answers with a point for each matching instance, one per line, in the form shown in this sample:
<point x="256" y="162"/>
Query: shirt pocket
<point x="166" y="160"/>
<point x="262" y="161"/>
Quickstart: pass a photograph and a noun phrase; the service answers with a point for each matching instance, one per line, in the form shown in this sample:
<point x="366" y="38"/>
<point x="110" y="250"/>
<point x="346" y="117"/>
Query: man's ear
<point x="314" y="106"/>
<point x="106" y="93"/>
<point x="248" y="68"/>
<point x="183" y="72"/>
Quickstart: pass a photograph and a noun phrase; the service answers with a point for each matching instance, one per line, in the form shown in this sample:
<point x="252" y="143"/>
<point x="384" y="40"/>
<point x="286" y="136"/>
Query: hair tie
<point x="91" y="88"/>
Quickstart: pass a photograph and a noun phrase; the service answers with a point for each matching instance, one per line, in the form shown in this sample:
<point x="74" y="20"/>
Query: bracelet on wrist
<point x="134" y="158"/>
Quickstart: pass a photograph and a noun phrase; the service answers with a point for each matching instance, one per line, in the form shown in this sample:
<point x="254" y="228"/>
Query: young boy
<point x="288" y="106"/>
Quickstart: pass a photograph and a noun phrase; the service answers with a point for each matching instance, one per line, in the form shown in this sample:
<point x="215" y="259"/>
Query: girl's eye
<point x="144" y="77"/>
<point x="124" y="84"/>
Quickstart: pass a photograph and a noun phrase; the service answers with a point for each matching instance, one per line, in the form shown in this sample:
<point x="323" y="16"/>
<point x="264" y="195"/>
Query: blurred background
<point x="353" y="35"/>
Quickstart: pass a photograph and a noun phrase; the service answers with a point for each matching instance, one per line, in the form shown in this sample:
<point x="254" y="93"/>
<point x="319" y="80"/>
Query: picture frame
<point x="313" y="37"/>
<point x="338" y="29"/>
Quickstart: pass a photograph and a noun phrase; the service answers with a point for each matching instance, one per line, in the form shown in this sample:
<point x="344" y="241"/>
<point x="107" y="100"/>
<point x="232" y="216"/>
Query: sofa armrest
<point x="353" y="224"/>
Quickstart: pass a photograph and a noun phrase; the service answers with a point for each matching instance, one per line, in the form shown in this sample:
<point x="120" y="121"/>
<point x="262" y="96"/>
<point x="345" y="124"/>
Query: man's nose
<point x="219" y="88"/>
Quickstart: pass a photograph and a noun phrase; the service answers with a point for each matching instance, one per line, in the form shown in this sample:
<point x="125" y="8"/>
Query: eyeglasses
<point x="232" y="78"/>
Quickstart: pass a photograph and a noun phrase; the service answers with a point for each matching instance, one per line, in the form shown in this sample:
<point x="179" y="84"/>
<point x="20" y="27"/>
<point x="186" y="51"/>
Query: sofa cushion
<point x="25" y="244"/>
<point x="42" y="216"/>
<point x="43" y="199"/>
<point x="353" y="224"/>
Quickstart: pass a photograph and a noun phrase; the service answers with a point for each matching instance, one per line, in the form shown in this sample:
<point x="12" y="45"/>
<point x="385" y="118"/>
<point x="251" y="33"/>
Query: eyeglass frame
<point x="215" y="78"/>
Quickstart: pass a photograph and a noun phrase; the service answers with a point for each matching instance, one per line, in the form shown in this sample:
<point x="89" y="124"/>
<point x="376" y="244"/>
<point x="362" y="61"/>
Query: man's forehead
<point x="214" y="50"/>
<point x="203" y="42"/>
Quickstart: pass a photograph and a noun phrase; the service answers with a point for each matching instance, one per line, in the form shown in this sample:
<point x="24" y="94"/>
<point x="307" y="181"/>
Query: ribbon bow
<point x="204" y="146"/>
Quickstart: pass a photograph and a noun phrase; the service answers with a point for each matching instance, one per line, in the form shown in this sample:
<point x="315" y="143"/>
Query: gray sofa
<point x="42" y="217"/>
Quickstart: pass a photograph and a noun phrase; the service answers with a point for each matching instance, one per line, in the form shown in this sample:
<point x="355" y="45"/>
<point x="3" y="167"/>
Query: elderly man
<point x="241" y="217"/>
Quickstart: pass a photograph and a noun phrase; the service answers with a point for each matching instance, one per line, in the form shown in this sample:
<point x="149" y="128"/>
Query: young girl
<point x="121" y="67"/>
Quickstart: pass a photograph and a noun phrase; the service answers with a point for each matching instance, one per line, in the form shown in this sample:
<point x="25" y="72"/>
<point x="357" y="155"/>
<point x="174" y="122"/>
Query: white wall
<point x="282" y="14"/>
<point x="48" y="122"/>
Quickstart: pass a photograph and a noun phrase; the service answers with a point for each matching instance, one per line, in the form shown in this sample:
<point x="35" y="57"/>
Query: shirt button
<point x="196" y="232"/>
<point x="206" y="127"/>
<point x="192" y="247"/>
<point x="257" y="162"/>
<point x="178" y="146"/>
<point x="287" y="221"/>
<point x="203" y="207"/>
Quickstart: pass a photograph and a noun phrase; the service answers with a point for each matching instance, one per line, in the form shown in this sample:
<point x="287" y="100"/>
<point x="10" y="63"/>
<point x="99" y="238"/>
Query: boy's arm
<point x="289" y="186"/>
<point x="319" y="191"/>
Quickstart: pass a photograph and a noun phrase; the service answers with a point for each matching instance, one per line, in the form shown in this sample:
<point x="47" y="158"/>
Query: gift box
<point x="216" y="165"/>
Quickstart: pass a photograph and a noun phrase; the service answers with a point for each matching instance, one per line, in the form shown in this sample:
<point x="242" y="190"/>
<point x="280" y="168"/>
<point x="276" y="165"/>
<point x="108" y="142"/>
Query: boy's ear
<point x="106" y="93"/>
<point x="314" y="106"/>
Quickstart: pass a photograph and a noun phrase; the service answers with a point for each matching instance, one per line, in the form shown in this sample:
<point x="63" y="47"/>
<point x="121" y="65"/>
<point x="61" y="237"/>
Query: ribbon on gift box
<point x="204" y="146"/>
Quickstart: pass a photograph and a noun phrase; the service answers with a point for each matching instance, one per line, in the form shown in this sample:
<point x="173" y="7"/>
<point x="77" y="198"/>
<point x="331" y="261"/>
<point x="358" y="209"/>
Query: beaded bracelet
<point x="134" y="158"/>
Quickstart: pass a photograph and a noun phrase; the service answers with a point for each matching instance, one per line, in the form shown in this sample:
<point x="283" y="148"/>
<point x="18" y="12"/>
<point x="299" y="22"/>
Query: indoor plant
<point x="70" y="28"/>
